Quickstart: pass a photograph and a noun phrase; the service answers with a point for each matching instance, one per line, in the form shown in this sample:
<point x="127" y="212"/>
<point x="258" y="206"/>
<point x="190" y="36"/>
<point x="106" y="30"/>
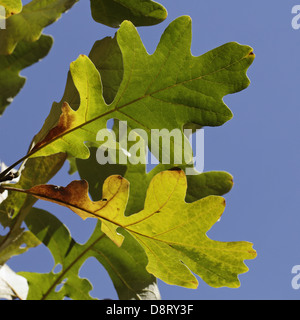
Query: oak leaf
<point x="171" y="83"/>
<point x="24" y="55"/>
<point x="140" y="12"/>
<point x="29" y="23"/>
<point x="126" y="265"/>
<point x="171" y="231"/>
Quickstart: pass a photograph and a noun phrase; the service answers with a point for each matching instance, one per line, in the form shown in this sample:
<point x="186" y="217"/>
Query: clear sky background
<point x="259" y="146"/>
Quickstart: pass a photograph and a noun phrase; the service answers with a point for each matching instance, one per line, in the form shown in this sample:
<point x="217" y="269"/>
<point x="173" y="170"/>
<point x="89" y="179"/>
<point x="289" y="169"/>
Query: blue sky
<point x="259" y="146"/>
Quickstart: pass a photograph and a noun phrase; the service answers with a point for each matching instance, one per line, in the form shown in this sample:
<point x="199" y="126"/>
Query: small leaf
<point x="140" y="12"/>
<point x="30" y="22"/>
<point x="171" y="231"/>
<point x="24" y="56"/>
<point x="12" y="286"/>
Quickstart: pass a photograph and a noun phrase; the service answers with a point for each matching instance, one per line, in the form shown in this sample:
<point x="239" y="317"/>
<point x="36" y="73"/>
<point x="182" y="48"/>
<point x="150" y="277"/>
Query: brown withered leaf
<point x="75" y="197"/>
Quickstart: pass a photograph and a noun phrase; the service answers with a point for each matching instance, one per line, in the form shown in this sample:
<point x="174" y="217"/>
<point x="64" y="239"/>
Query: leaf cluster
<point x="150" y="224"/>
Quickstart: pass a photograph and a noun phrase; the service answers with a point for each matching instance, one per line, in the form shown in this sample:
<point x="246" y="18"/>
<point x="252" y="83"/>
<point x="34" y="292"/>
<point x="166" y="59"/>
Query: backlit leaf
<point x="23" y="56"/>
<point x="75" y="197"/>
<point x="171" y="82"/>
<point x="140" y="12"/>
<point x="29" y="23"/>
<point x="126" y="265"/>
<point x="171" y="231"/>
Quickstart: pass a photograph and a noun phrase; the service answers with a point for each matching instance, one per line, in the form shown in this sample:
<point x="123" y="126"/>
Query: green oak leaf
<point x="125" y="265"/>
<point x="169" y="82"/>
<point x="173" y="234"/>
<point x="23" y="56"/>
<point x="107" y="57"/>
<point x="171" y="231"/>
<point x="29" y="23"/>
<point x="140" y="12"/>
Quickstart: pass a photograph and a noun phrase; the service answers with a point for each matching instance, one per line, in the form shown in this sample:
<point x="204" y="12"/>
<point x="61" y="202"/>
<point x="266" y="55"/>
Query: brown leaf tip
<point x="251" y="55"/>
<point x="66" y="121"/>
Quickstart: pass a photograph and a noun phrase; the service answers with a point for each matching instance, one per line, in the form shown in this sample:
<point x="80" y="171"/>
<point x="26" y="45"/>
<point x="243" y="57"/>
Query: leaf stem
<point x="5" y="173"/>
<point x="4" y="187"/>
